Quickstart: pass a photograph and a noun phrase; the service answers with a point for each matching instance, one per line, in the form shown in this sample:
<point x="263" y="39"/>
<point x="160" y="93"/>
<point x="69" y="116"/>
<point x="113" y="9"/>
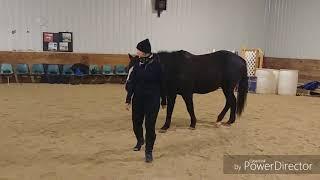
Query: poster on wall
<point x="50" y="41"/>
<point x="64" y="46"/>
<point x="66" y="37"/>
<point x="66" y="41"/>
<point x="47" y="37"/>
<point x="52" y="46"/>
<point x="62" y="41"/>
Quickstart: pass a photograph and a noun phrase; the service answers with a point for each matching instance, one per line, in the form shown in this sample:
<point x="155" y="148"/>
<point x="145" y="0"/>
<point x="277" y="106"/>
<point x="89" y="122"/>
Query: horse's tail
<point x="242" y="94"/>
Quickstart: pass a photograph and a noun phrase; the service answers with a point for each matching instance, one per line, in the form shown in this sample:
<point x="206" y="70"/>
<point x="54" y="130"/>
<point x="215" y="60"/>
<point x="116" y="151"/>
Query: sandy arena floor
<point x="83" y="132"/>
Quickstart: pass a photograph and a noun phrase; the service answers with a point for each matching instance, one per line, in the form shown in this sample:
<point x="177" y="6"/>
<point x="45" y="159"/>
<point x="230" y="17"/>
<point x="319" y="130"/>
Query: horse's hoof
<point x="217" y="124"/>
<point x="226" y="124"/>
<point x="163" y="130"/>
<point x="192" y="128"/>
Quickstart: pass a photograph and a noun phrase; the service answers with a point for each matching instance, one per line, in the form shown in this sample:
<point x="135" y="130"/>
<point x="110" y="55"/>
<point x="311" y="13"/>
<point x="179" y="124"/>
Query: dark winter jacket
<point x="146" y="80"/>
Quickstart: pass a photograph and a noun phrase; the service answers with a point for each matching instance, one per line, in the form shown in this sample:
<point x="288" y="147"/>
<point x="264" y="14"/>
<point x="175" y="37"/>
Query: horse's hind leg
<point x="231" y="98"/>
<point x="226" y="107"/>
<point x="170" y="106"/>
<point x="189" y="103"/>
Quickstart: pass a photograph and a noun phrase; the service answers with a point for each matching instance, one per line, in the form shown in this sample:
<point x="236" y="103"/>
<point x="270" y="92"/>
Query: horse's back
<point x="231" y="61"/>
<point x="202" y="73"/>
<point x="211" y="71"/>
<point x="216" y="63"/>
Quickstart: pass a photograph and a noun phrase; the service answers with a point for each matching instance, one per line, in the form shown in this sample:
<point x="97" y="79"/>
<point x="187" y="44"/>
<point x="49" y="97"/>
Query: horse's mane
<point x="172" y="52"/>
<point x="169" y="55"/>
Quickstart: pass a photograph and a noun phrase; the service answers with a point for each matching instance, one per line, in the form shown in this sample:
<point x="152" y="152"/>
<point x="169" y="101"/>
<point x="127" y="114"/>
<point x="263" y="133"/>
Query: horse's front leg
<point x="171" y="101"/>
<point x="188" y="99"/>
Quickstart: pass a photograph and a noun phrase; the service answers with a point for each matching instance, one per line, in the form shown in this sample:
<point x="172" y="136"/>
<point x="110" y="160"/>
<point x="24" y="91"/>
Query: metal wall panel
<point x="293" y="29"/>
<point x="115" y="26"/>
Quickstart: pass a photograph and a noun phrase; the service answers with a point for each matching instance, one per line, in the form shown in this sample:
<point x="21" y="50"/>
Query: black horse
<point x="186" y="74"/>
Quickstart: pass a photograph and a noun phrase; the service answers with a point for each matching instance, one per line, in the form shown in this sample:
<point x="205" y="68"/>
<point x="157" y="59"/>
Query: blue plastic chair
<point x="7" y="71"/>
<point x="67" y="73"/>
<point x="37" y="69"/>
<point x="53" y="74"/>
<point x="120" y="70"/>
<point x="22" y="69"/>
<point x="53" y="69"/>
<point x="107" y="70"/>
<point x="94" y="70"/>
<point x="66" y="70"/>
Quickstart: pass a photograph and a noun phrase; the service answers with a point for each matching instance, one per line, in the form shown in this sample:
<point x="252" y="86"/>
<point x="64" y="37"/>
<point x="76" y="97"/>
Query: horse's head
<point x="132" y="60"/>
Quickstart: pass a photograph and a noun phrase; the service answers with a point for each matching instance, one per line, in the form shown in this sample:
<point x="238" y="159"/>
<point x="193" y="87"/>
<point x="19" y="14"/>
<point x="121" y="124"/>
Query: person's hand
<point x="128" y="106"/>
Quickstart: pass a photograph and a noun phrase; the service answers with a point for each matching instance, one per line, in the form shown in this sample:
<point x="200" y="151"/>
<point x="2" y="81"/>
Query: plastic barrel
<point x="266" y="81"/>
<point x="288" y="81"/>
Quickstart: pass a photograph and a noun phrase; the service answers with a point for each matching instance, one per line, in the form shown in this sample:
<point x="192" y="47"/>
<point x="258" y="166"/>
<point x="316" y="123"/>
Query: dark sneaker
<point x="149" y="157"/>
<point x="138" y="146"/>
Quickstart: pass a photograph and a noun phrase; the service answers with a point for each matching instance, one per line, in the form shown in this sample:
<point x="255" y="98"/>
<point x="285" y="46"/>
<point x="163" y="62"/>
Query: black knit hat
<point x="144" y="46"/>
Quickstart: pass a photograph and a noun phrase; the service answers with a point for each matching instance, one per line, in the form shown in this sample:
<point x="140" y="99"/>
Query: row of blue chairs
<point x="56" y="70"/>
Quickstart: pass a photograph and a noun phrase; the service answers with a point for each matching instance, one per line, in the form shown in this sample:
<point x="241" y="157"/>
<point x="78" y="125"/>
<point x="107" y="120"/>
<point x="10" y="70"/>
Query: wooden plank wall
<point x="309" y="69"/>
<point x="61" y="58"/>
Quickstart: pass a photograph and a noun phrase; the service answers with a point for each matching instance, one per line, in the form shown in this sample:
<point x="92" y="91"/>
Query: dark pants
<point x="148" y="108"/>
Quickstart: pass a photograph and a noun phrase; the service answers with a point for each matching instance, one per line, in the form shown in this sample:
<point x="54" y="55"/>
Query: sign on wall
<point x="62" y="41"/>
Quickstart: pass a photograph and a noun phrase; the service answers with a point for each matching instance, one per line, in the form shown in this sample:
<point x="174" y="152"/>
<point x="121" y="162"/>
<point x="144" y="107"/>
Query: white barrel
<point x="266" y="81"/>
<point x="288" y="81"/>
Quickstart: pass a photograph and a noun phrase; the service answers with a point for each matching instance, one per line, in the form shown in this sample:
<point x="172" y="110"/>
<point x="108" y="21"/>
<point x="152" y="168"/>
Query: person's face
<point x="140" y="53"/>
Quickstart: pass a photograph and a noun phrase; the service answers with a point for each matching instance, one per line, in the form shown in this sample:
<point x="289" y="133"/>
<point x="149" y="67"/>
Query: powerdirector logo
<point x="269" y="164"/>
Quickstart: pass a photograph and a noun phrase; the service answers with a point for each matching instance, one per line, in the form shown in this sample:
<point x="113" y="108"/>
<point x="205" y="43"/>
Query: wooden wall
<point x="61" y="58"/>
<point x="309" y="69"/>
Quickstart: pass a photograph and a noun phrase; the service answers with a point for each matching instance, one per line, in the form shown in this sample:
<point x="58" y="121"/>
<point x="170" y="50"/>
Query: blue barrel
<point x="252" y="84"/>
